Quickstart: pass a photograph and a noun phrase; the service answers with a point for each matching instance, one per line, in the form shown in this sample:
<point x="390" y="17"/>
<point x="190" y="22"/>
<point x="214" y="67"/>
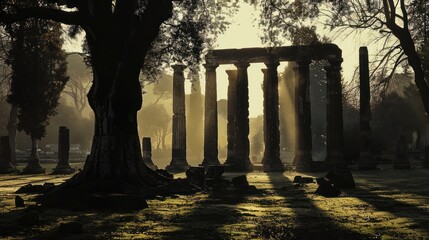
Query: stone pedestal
<point x="5" y="159"/>
<point x="147" y="153"/>
<point x="271" y="161"/>
<point x="366" y="160"/>
<point x="63" y="166"/>
<point x="210" y="118"/>
<point x="178" y="161"/>
<point x="334" y="117"/>
<point x="232" y="118"/>
<point x="401" y="160"/>
<point x="33" y="165"/>
<point x="303" y="159"/>
<point x="425" y="163"/>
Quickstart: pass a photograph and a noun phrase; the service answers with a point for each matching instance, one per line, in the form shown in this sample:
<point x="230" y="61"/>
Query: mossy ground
<point x="387" y="204"/>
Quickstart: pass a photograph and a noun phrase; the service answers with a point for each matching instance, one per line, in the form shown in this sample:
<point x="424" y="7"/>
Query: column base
<point x="272" y="164"/>
<point x="63" y="170"/>
<point x="303" y="162"/>
<point x="7" y="168"/>
<point x="210" y="162"/>
<point x="238" y="168"/>
<point x="273" y="167"/>
<point x="148" y="162"/>
<point x="366" y="162"/>
<point x="33" y="169"/>
<point x="177" y="165"/>
<point x="401" y="163"/>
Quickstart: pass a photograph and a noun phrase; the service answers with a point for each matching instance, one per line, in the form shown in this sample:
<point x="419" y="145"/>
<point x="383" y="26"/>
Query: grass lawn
<point x="386" y="204"/>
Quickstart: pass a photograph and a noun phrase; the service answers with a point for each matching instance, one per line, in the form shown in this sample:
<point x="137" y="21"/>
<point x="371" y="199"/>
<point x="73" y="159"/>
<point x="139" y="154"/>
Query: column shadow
<point x="208" y="216"/>
<point x="310" y="222"/>
<point x="419" y="216"/>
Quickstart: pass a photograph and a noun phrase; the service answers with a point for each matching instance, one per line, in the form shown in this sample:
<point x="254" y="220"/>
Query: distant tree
<point x="156" y="124"/>
<point x="396" y="115"/>
<point x="163" y="88"/>
<point x="194" y="119"/>
<point x="79" y="83"/>
<point x="38" y="76"/>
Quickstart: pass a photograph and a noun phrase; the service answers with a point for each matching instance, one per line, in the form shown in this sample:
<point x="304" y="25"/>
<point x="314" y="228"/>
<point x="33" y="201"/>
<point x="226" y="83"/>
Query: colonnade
<point x="238" y="108"/>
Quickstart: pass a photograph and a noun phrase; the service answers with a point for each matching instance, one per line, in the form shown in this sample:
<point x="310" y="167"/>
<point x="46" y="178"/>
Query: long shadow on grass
<point x="414" y="181"/>
<point x="397" y="208"/>
<point x="310" y="222"/>
<point x="208" y="214"/>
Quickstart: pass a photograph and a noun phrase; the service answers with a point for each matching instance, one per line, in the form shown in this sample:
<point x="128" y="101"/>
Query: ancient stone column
<point x="303" y="159"/>
<point x="366" y="161"/>
<point x="271" y="160"/>
<point x="210" y="117"/>
<point x="232" y="117"/>
<point x="33" y="165"/>
<point x="242" y="120"/>
<point x="334" y="117"/>
<point x="178" y="161"/>
<point x="5" y="159"/>
<point x="425" y="163"/>
<point x="401" y="160"/>
<point x="63" y="166"/>
<point x="147" y="153"/>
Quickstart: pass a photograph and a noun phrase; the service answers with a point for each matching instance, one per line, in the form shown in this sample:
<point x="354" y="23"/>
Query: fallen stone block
<point x="19" y="202"/>
<point x="215" y="171"/>
<point x="341" y="178"/>
<point x="195" y="176"/>
<point x="327" y="189"/>
<point x="300" y="179"/>
<point x="70" y="228"/>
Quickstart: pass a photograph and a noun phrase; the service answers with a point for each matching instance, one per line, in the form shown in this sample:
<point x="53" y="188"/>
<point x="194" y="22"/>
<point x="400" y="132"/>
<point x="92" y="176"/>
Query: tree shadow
<point x="310" y="222"/>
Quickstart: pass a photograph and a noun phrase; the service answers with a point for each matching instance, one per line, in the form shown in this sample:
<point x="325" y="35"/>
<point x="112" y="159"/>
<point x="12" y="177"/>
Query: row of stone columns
<point x="238" y="118"/>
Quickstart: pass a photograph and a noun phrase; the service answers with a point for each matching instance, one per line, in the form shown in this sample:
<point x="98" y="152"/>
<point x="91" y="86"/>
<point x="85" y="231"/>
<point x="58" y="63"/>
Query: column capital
<point x="231" y="73"/>
<point x="272" y="64"/>
<point x="178" y="67"/>
<point x="264" y="71"/>
<point x="242" y="65"/>
<point x="211" y="66"/>
<point x="334" y="63"/>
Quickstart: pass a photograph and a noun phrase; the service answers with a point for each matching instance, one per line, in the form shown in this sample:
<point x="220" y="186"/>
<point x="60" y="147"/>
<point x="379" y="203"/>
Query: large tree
<point x="124" y="36"/>
<point x="39" y="69"/>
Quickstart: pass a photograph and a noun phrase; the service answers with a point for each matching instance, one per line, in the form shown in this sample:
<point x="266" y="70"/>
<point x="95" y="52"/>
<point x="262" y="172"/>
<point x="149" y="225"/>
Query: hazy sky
<point x="244" y="33"/>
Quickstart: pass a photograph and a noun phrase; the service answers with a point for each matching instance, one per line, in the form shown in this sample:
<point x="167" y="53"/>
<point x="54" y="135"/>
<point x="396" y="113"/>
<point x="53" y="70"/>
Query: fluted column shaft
<point x="242" y="124"/>
<point x="232" y="118"/>
<point x="210" y="117"/>
<point x="334" y="115"/>
<point x="365" y="159"/>
<point x="303" y="147"/>
<point x="271" y="160"/>
<point x="178" y="161"/>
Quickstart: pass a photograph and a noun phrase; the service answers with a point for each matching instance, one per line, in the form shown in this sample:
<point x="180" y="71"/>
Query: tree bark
<point x="11" y="129"/>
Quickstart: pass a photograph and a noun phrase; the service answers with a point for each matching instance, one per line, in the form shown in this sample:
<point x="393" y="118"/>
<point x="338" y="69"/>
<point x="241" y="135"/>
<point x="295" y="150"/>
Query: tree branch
<point x="71" y="18"/>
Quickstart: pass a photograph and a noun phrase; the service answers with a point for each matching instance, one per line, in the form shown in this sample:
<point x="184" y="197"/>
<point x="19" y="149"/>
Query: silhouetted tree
<point x="399" y="25"/>
<point x="124" y="36"/>
<point x="38" y="76"/>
